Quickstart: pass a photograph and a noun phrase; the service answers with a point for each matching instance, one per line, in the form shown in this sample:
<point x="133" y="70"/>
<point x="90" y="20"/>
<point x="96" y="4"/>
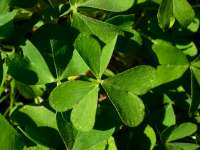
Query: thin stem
<point x="54" y="61"/>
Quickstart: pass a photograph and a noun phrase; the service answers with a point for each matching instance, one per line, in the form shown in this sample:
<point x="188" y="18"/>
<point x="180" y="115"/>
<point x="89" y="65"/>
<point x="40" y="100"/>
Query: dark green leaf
<point x="39" y="125"/>
<point x="34" y="69"/>
<point x="9" y="139"/>
<point x="90" y="50"/>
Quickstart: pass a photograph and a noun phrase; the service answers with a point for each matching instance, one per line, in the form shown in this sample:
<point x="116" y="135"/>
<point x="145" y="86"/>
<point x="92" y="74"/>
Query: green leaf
<point x="90" y="50"/>
<point x="6" y="24"/>
<point x="83" y="113"/>
<point x="38" y="124"/>
<point x="68" y="94"/>
<point x="34" y="69"/>
<point x="149" y="132"/>
<point x="92" y="26"/>
<point x="195" y="67"/>
<point x="77" y="140"/>
<point x="76" y="66"/>
<point x="169" y="116"/>
<point x="183" y="12"/>
<point x="138" y="80"/>
<point x="36" y="148"/>
<point x="181" y="146"/>
<point x="66" y="129"/>
<point x="109" y="5"/>
<point x="189" y="49"/>
<point x="55" y="43"/>
<point x="165" y="14"/>
<point x="168" y="73"/>
<point x="7" y="17"/>
<point x="9" y="139"/>
<point x="87" y="140"/>
<point x="4" y="6"/>
<point x="30" y="91"/>
<point x="106" y="54"/>
<point x="129" y="106"/>
<point x="179" y="132"/>
<point x="168" y="54"/>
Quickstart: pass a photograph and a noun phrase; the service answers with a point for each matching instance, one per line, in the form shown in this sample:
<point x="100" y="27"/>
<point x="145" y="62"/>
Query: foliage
<point x="99" y="75"/>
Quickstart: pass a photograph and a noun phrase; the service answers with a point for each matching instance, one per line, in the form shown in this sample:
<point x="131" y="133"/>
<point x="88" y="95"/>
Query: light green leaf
<point x="90" y="50"/>
<point x="138" y="80"/>
<point x="7" y="17"/>
<point x="189" y="49"/>
<point x="179" y="132"/>
<point x="76" y="66"/>
<point x="4" y="6"/>
<point x="109" y="5"/>
<point x="149" y="132"/>
<point x="169" y="116"/>
<point x="84" y="113"/>
<point x="39" y="147"/>
<point x="183" y="12"/>
<point x="165" y="14"/>
<point x="9" y="139"/>
<point x="68" y="94"/>
<point x="34" y="69"/>
<point x="168" y="54"/>
<point x="194" y="25"/>
<point x="181" y="146"/>
<point x="195" y="67"/>
<point x="38" y="124"/>
<point x="90" y="139"/>
<point x="106" y="54"/>
<point x="168" y="73"/>
<point x="92" y="26"/>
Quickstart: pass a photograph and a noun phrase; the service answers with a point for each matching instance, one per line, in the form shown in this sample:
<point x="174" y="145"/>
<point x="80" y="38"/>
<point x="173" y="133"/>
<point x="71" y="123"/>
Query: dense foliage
<point x="99" y="75"/>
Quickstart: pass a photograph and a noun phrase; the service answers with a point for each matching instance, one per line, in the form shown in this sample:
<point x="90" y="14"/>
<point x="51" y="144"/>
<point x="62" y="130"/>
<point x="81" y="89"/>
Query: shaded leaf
<point x="34" y="69"/>
<point x="179" y="132"/>
<point x="39" y="125"/>
<point x="165" y="14"/>
<point x="9" y="139"/>
<point x="90" y="50"/>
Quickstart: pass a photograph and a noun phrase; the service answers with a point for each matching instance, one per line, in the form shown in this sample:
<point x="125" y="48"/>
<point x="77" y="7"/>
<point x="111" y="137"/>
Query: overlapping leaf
<point x="76" y="140"/>
<point x="10" y="139"/>
<point x="123" y="89"/>
<point x="95" y="27"/>
<point x="171" y="9"/>
<point x="173" y="63"/>
<point x="39" y="125"/>
<point x="90" y="50"/>
<point x="82" y="97"/>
